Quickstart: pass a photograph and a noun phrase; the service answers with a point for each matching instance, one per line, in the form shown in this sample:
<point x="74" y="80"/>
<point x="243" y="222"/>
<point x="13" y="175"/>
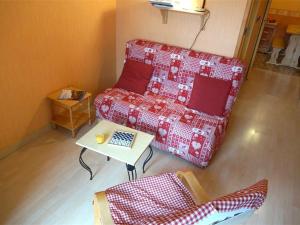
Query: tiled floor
<point x="43" y="183"/>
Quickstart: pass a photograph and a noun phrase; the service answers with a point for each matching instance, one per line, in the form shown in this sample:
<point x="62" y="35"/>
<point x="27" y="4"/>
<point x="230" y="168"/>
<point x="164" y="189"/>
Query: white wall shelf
<point x="165" y="12"/>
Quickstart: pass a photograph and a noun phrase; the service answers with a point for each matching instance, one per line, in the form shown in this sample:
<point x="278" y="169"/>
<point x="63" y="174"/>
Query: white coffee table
<point x="127" y="155"/>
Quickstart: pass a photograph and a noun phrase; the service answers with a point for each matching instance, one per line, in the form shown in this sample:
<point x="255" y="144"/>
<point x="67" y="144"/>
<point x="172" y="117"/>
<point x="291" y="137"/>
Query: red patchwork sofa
<point x="164" y="108"/>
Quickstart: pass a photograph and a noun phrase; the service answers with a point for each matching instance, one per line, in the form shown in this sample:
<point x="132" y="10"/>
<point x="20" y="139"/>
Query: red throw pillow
<point x="209" y="95"/>
<point x="135" y="77"/>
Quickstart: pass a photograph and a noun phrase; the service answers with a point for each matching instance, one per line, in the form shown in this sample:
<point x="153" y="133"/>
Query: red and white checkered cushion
<point x="250" y="198"/>
<point x="165" y="200"/>
<point x="134" y="202"/>
<point x="190" y="216"/>
<point x="186" y="133"/>
<point x="175" y="69"/>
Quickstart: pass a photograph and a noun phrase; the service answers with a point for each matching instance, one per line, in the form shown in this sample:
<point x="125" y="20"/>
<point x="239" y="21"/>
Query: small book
<point x="122" y="138"/>
<point x="68" y="94"/>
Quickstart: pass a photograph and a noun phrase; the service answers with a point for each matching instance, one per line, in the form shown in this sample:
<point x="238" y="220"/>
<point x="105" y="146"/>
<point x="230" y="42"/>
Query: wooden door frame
<point x="245" y="23"/>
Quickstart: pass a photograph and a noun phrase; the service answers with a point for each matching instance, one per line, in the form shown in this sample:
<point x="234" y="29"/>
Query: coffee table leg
<point x="82" y="163"/>
<point x="131" y="170"/>
<point x="148" y="158"/>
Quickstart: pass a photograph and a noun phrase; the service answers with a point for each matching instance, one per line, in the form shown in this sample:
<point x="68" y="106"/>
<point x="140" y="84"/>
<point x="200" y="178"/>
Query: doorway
<point x="271" y="38"/>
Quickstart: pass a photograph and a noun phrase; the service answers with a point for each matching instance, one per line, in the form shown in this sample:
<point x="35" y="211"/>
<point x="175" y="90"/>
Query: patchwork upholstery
<point x="184" y="132"/>
<point x="139" y="202"/>
<point x="175" y="69"/>
<point x="162" y="110"/>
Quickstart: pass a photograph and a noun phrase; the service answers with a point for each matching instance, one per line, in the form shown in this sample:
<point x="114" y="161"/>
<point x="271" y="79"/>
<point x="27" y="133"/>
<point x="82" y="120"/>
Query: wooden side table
<point x="70" y="114"/>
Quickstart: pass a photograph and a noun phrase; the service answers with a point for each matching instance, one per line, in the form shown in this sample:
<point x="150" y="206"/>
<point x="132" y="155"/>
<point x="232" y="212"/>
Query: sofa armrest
<point x="102" y="214"/>
<point x="191" y="183"/>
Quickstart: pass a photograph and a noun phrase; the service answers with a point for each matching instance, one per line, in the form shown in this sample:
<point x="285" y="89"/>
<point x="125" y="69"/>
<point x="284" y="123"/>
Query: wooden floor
<point x="43" y="183"/>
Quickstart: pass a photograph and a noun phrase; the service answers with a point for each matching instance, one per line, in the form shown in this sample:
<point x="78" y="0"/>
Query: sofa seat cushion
<point x="182" y="131"/>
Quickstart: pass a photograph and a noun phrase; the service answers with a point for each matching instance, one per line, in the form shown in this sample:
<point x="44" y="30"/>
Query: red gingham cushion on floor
<point x="251" y="198"/>
<point x="189" y="134"/>
<point x="133" y="202"/>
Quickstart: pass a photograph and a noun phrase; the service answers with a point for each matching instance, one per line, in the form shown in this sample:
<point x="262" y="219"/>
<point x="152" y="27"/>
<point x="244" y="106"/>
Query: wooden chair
<point x="277" y="45"/>
<point x="217" y="211"/>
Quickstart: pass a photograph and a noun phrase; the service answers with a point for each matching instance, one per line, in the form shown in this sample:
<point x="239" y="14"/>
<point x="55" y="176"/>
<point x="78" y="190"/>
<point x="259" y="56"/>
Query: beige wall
<point x="46" y="45"/>
<point x="138" y="19"/>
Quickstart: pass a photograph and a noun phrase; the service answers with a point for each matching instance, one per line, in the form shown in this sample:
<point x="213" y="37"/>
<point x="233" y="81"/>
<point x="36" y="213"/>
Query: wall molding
<point x="284" y="12"/>
<point x="6" y="151"/>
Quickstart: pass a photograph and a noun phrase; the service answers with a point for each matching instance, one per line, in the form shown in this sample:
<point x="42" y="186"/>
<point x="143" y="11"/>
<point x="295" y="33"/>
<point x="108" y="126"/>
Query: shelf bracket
<point x="164" y="14"/>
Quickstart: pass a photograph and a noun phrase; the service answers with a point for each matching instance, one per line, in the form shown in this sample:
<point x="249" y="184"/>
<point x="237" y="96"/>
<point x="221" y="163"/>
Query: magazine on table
<point x="69" y="94"/>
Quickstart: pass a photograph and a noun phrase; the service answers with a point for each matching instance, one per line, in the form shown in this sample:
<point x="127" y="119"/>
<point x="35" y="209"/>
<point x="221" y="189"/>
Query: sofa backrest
<point x="175" y="69"/>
